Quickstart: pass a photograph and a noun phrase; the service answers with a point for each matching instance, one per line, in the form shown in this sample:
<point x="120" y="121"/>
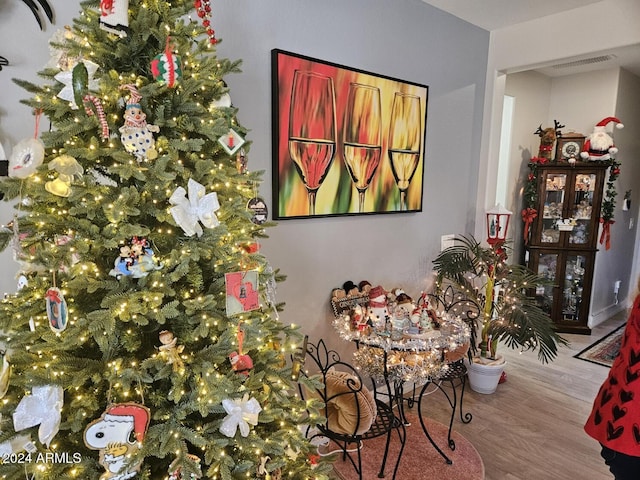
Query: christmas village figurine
<point x="378" y="309"/>
<point x="170" y="350"/>
<point x="136" y="134"/>
<point x="118" y="435"/>
<point x="401" y="322"/>
<point x="359" y="320"/>
<point x="599" y="145"/>
<point x="424" y="315"/>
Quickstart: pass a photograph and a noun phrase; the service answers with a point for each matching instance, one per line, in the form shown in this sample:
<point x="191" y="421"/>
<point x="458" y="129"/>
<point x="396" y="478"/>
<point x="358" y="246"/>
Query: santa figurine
<point x="360" y="322"/>
<point x="599" y="145"/>
<point x="240" y="363"/>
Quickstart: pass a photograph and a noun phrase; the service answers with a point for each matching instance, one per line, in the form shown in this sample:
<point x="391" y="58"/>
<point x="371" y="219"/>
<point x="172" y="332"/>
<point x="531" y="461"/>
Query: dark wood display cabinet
<point x="564" y="238"/>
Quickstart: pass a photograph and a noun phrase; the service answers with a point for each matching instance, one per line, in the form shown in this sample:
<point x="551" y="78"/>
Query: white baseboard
<point x="596" y="318"/>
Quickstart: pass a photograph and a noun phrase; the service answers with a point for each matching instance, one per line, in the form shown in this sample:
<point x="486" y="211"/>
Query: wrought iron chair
<point x="351" y="412"/>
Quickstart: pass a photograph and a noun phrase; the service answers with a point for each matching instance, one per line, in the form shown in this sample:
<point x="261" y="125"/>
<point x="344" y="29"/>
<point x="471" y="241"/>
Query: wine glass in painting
<point x="312" y="125"/>
<point x="404" y="141"/>
<point x="361" y="136"/>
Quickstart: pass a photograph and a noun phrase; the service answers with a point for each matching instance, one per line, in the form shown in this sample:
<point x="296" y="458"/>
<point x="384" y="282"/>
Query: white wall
<point x="531" y="92"/>
<point x="406" y="39"/>
<point x="625" y="265"/>
<point x="579" y="102"/>
<point x="522" y="47"/>
<point x="26" y="48"/>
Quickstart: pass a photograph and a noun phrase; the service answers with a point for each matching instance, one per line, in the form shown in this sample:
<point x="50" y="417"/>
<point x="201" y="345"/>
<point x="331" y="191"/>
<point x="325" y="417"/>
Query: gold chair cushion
<point x="342" y="410"/>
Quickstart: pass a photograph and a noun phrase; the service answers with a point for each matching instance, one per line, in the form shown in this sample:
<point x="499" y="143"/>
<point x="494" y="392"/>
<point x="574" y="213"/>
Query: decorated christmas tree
<point x="144" y="339"/>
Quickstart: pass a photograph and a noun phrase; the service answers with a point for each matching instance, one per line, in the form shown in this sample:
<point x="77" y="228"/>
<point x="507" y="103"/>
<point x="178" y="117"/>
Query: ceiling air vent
<point x="585" y="61"/>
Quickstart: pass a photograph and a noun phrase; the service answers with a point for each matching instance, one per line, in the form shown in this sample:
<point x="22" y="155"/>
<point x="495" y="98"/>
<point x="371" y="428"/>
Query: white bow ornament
<point x="199" y="206"/>
<point x="241" y="413"/>
<point x="42" y="408"/>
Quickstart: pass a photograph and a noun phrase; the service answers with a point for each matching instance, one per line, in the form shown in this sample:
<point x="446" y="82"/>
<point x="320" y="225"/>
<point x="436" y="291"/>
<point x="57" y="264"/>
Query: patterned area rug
<point x="604" y="351"/>
<point x="420" y="460"/>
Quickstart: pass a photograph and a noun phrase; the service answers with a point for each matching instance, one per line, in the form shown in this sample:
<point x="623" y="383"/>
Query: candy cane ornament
<point x="102" y="118"/>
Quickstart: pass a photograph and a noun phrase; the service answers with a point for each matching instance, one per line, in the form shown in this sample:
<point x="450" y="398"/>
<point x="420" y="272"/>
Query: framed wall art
<point x="345" y="141"/>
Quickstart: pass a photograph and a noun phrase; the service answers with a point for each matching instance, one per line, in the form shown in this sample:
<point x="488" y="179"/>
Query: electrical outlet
<point x="616" y="286"/>
<point x="447" y="241"/>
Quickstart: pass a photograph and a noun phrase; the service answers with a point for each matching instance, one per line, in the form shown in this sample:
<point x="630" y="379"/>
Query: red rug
<point x="604" y="351"/>
<point x="420" y="460"/>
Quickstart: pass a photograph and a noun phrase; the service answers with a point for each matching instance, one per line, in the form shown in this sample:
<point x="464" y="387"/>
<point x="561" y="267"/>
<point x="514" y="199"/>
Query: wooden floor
<point x="531" y="427"/>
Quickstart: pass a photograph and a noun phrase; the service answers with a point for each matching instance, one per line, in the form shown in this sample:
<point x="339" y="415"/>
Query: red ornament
<point x="203" y="9"/>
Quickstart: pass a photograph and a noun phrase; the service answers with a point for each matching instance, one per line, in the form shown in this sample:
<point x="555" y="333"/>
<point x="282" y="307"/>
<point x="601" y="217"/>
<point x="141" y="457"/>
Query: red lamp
<point x="497" y="225"/>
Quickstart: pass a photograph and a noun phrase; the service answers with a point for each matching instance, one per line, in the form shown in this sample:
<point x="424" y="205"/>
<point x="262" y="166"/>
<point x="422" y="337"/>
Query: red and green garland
<point x="530" y="198"/>
<point x="609" y="203"/>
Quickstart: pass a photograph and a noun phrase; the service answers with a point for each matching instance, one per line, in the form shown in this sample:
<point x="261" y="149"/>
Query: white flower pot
<point x="484" y="378"/>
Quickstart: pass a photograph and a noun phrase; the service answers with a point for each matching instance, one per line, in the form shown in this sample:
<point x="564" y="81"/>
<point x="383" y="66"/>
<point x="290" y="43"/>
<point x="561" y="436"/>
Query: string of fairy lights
<point x="410" y="359"/>
<point x="116" y="214"/>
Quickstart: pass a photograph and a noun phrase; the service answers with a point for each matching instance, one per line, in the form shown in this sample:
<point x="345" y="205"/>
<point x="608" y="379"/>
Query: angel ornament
<point x="67" y="168"/>
<point x="170" y="350"/>
<point x="136" y="134"/>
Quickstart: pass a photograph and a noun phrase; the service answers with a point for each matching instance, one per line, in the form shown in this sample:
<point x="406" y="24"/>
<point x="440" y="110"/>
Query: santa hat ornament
<point x="599" y="145"/>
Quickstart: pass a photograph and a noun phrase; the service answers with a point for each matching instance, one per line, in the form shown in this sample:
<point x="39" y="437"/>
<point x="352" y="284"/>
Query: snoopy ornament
<point x="118" y="435"/>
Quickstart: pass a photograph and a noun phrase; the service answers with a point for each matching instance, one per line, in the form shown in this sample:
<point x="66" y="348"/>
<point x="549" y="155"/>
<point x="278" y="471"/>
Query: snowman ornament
<point x="136" y="134"/>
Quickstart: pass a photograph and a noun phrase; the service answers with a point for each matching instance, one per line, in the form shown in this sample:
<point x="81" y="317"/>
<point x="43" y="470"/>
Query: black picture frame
<point x="337" y="195"/>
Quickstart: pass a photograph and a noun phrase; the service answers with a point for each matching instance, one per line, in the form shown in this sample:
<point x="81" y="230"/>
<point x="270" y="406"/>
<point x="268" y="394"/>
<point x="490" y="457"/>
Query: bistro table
<point x="393" y="359"/>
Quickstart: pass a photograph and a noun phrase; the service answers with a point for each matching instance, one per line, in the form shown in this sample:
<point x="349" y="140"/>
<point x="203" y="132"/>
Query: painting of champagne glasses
<point x="345" y="141"/>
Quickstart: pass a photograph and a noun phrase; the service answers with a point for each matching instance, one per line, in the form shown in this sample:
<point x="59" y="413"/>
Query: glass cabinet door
<point x="582" y="209"/>
<point x="573" y="288"/>
<point x="553" y="208"/>
<point x="547" y="266"/>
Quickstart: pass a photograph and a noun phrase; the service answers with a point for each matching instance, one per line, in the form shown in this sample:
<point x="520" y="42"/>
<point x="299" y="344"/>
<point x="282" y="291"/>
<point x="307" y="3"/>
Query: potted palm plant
<point x="508" y="312"/>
